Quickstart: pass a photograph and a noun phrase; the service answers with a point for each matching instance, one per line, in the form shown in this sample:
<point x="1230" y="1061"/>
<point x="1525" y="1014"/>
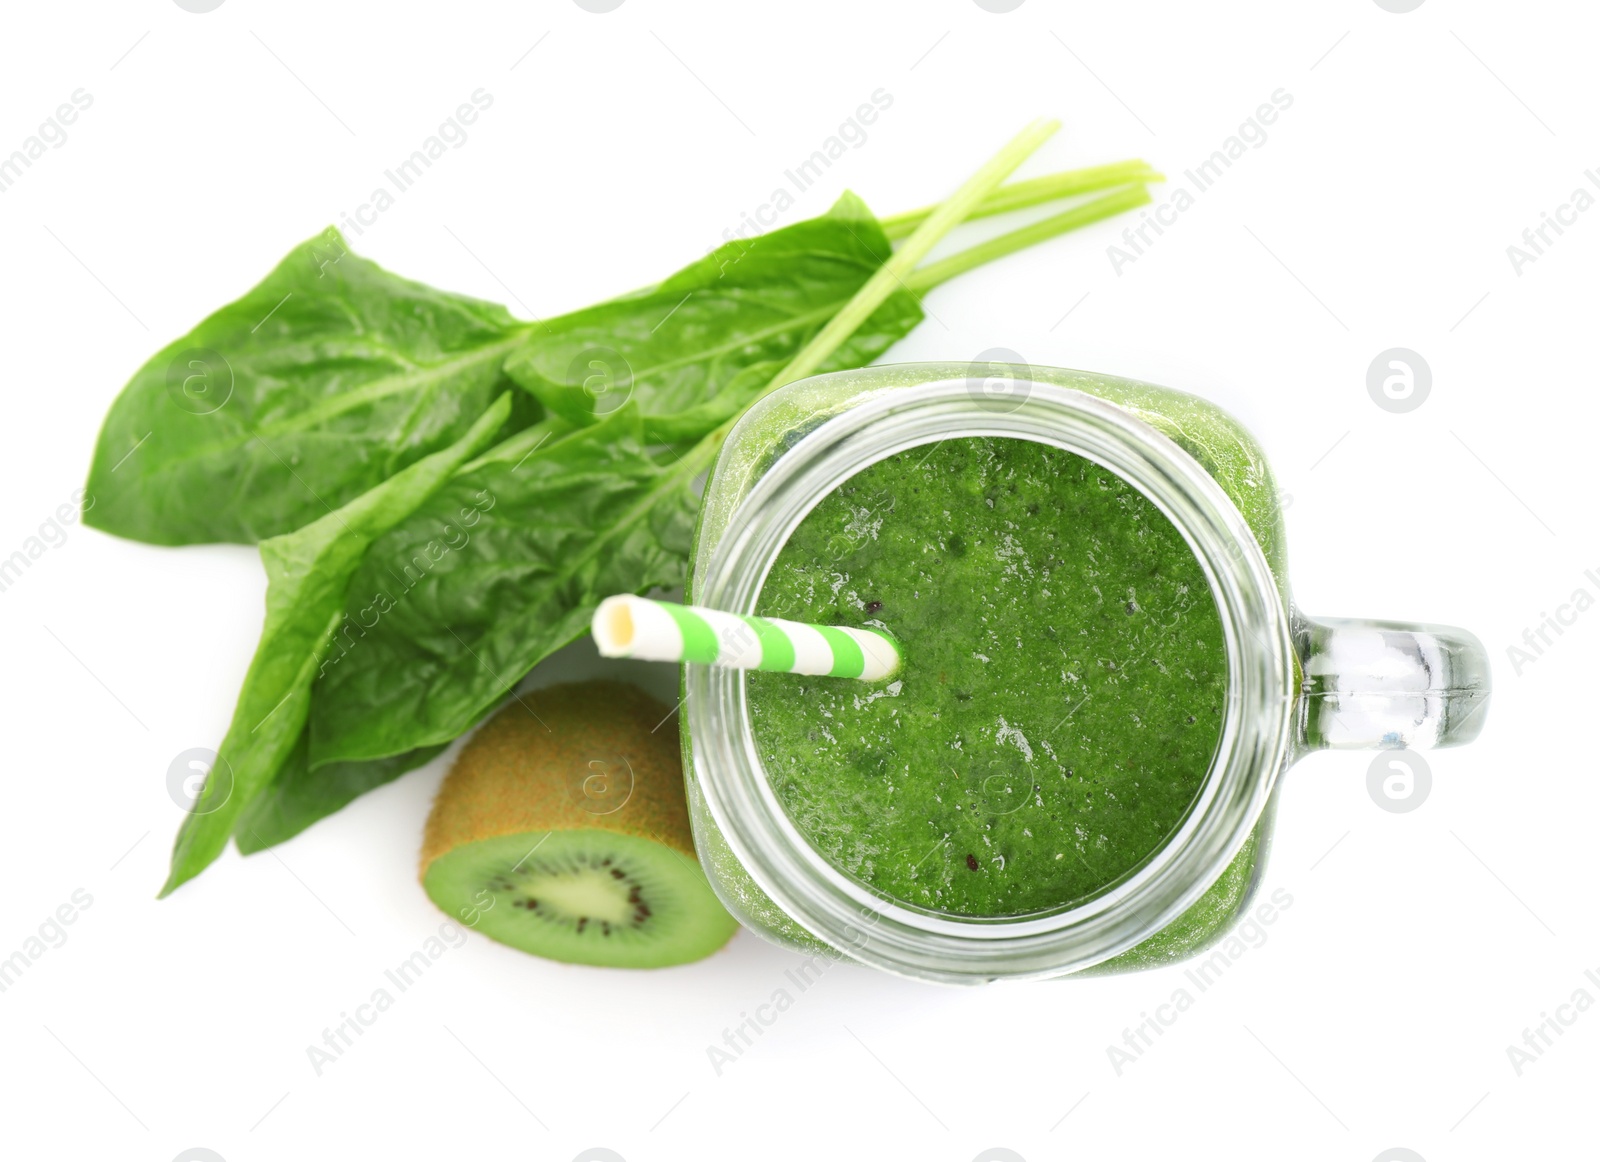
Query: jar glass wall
<point x="1201" y="470"/>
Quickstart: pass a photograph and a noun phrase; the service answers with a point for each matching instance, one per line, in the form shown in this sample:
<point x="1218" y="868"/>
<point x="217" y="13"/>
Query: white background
<point x="1418" y="946"/>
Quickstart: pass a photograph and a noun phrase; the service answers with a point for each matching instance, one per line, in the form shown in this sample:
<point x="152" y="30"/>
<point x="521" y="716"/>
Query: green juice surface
<point x="1062" y="691"/>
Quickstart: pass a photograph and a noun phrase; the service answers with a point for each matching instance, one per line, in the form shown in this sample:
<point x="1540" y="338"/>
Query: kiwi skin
<point x="513" y="776"/>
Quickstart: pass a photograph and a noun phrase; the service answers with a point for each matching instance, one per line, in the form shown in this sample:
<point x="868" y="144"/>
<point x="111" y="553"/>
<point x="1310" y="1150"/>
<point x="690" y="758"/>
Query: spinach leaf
<point x="501" y="567"/>
<point x="299" y="796"/>
<point x="308" y="573"/>
<point x="451" y="615"/>
<point x="695" y="350"/>
<point x="324" y="380"/>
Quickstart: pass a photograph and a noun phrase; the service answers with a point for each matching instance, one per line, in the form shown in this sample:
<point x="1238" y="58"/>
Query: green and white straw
<point x="660" y="631"/>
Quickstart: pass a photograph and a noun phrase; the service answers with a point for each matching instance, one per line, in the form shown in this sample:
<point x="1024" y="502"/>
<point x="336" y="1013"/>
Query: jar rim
<point x="1253" y="744"/>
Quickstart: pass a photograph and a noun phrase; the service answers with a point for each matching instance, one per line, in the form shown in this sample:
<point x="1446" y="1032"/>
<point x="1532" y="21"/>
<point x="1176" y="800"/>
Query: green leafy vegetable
<point x="695" y="350"/>
<point x="500" y="568"/>
<point x="333" y="374"/>
<point x="308" y="572"/>
<point x="323" y="381"/>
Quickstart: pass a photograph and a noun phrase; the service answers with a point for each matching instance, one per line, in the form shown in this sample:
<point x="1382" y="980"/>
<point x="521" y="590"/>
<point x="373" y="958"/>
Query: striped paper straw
<point x="659" y="631"/>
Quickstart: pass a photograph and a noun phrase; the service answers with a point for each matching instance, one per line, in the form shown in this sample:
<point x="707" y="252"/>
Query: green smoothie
<point x="1063" y="687"/>
<point x="841" y="811"/>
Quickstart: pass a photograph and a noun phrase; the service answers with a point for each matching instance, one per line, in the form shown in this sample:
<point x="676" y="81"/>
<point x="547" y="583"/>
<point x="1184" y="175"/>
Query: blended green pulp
<point x="1062" y="690"/>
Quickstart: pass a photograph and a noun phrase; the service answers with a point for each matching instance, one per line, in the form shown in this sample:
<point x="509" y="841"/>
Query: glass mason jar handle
<point x="1381" y="685"/>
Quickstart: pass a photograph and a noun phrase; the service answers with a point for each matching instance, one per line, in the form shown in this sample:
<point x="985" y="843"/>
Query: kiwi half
<point x="562" y="831"/>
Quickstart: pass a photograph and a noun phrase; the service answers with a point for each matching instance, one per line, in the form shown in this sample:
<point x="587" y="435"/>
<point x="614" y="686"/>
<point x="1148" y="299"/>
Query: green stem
<point x="930" y="276"/>
<point x="893" y="273"/>
<point x="1034" y="191"/>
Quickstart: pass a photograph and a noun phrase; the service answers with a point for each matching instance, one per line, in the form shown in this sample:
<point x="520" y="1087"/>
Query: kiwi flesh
<point x="562" y="831"/>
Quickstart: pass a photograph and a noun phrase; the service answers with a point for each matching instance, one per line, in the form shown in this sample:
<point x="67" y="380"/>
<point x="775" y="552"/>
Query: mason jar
<point x="1293" y="684"/>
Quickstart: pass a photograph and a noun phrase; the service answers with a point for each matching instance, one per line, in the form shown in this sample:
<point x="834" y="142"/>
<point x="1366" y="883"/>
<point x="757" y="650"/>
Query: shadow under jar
<point x="1103" y="676"/>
